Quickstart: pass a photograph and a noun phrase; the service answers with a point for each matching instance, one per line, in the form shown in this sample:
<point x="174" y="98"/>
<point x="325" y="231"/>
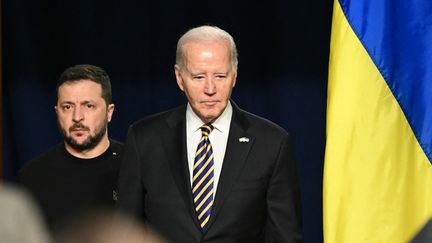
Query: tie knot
<point x="206" y="129"/>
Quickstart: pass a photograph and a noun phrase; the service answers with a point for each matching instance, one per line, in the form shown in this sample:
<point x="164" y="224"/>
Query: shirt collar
<point x="222" y="123"/>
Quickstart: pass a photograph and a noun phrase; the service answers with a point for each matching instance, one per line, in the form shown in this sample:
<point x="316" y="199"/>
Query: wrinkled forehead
<point x="211" y="52"/>
<point x="76" y="90"/>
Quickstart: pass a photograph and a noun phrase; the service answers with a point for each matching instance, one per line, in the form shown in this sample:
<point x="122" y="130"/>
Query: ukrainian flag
<point x="378" y="172"/>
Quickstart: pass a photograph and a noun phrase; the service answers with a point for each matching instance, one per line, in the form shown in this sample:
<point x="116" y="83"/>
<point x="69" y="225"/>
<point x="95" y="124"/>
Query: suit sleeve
<point x="130" y="199"/>
<point x="284" y="222"/>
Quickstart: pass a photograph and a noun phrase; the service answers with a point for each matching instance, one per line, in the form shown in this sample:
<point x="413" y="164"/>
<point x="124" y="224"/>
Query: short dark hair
<point x="87" y="72"/>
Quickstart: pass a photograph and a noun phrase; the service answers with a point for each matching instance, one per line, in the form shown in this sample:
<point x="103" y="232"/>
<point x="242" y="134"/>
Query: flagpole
<point x="1" y="93"/>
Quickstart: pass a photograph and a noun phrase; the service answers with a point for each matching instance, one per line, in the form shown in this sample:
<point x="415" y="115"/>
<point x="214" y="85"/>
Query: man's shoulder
<point x="258" y="124"/>
<point x="41" y="161"/>
<point x="53" y="151"/>
<point x="156" y="121"/>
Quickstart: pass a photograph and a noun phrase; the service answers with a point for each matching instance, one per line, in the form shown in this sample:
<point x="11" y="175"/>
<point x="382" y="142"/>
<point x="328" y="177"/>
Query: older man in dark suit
<point x="209" y="171"/>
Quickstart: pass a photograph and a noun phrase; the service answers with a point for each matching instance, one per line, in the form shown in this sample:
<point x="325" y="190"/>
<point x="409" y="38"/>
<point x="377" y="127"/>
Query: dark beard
<point x="89" y="143"/>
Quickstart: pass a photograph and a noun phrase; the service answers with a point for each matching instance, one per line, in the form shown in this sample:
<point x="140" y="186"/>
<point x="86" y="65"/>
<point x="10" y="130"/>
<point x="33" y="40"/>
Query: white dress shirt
<point x="218" y="139"/>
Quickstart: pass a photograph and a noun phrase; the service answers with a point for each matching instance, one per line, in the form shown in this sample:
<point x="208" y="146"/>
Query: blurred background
<point x="283" y="59"/>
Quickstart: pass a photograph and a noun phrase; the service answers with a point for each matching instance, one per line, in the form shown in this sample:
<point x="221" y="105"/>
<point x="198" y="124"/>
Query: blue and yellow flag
<point x="378" y="171"/>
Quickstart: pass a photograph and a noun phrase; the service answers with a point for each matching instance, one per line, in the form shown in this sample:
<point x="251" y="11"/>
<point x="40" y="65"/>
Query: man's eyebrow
<point x="87" y="102"/>
<point x="196" y="73"/>
<point x="66" y="103"/>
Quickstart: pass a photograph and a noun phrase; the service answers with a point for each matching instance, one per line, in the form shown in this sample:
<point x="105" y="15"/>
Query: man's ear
<point x="235" y="79"/>
<point x="110" y="111"/>
<point x="178" y="76"/>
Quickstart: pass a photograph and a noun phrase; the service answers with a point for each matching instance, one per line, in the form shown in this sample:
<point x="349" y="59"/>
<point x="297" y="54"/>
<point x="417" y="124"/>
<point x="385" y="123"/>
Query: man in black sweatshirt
<point x="79" y="174"/>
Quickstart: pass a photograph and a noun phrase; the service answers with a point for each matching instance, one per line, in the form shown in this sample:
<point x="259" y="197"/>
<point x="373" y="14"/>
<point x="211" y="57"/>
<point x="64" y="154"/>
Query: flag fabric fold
<point x="378" y="171"/>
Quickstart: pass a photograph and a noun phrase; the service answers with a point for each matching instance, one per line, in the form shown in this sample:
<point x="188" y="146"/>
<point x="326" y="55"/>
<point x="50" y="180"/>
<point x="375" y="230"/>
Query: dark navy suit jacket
<point x="257" y="198"/>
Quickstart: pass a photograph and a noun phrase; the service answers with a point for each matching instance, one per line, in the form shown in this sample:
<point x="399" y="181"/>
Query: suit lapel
<point x="174" y="140"/>
<point x="235" y="156"/>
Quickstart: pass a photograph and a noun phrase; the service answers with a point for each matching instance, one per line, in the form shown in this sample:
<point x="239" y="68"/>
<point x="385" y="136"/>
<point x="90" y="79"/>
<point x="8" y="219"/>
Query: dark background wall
<point x="283" y="47"/>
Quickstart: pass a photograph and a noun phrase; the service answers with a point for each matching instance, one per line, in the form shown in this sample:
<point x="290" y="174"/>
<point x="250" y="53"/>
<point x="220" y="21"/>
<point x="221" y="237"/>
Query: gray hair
<point x="206" y="33"/>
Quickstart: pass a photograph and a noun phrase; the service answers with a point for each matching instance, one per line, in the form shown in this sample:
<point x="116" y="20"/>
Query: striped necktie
<point x="203" y="176"/>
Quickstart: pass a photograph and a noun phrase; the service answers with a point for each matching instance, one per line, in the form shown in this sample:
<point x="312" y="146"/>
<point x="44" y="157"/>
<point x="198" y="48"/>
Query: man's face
<point x="82" y="114"/>
<point x="207" y="78"/>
